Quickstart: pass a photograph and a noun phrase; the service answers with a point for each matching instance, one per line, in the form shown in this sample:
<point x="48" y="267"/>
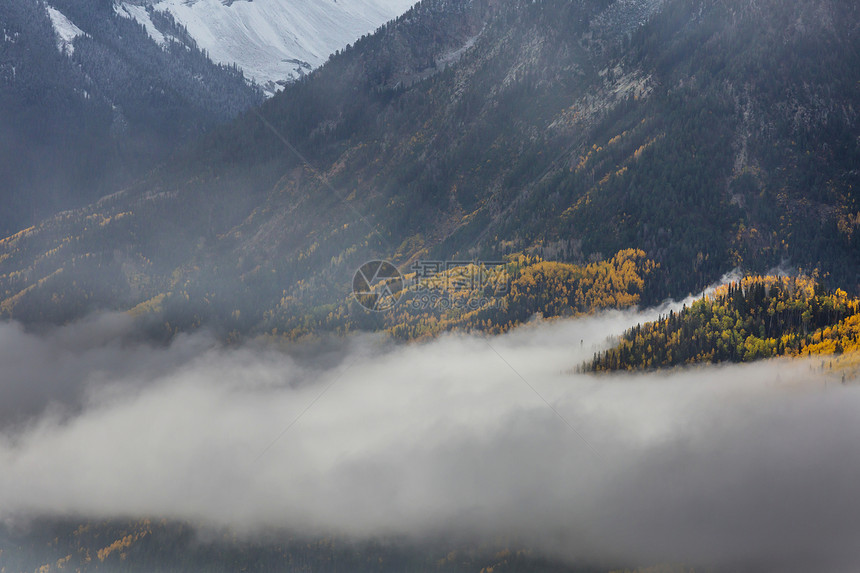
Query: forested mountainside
<point x="755" y="318"/>
<point x="708" y="133"/>
<point x="143" y="545"/>
<point x="89" y="102"/>
<point x="479" y="297"/>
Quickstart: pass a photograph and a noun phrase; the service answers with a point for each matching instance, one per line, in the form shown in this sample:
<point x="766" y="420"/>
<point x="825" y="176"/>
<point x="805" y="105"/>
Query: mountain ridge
<point x="89" y="103"/>
<point x="551" y="134"/>
<point x="274" y="41"/>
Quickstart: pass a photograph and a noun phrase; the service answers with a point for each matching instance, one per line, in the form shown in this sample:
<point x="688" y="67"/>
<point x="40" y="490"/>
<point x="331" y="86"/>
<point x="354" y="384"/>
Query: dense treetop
<point x="757" y="317"/>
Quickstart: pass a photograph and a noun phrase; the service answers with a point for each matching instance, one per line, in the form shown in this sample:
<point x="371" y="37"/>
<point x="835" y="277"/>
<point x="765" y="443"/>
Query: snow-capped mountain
<point x="273" y="41"/>
<point x="89" y="101"/>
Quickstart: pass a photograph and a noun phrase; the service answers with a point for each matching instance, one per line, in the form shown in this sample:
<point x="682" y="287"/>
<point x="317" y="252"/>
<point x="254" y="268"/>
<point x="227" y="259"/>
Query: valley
<point x="470" y="286"/>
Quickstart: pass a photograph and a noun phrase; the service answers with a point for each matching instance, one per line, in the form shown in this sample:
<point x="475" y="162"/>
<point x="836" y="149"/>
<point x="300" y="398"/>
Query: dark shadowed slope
<point x="719" y="133"/>
<point x="88" y="102"/>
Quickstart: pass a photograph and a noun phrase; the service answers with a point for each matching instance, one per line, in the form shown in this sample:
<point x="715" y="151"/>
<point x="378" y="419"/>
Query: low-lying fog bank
<point x="471" y="436"/>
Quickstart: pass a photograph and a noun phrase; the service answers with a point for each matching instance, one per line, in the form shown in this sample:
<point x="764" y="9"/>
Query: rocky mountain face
<point x="710" y="133"/>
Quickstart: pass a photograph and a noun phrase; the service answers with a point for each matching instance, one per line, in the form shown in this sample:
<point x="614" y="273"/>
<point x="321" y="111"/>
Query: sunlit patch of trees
<point x="758" y="317"/>
<point x="488" y="298"/>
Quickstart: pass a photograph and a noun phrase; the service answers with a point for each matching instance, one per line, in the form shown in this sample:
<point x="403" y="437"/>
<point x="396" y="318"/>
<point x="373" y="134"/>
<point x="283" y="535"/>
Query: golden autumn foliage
<point x="490" y="297"/>
<point x="757" y="317"/>
<point x="120" y="545"/>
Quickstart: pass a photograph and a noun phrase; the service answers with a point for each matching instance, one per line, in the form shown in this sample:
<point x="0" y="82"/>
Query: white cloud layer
<point x="756" y="465"/>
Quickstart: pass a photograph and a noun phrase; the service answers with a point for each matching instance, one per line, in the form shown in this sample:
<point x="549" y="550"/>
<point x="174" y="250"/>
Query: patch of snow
<point x="452" y="57"/>
<point x="273" y="40"/>
<point x="10" y="39"/>
<point x="65" y="29"/>
<point x="139" y="14"/>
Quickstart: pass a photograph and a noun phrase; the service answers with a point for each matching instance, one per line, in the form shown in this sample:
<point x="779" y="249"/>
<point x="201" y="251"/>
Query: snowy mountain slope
<point x="139" y="13"/>
<point x="65" y="29"/>
<point x="89" y="102"/>
<point x="272" y="40"/>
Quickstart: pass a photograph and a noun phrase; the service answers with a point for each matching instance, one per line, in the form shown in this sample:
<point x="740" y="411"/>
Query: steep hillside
<point x="755" y="318"/>
<point x="146" y="545"/>
<point x="718" y="133"/>
<point x="88" y="102"/>
<point x="272" y="41"/>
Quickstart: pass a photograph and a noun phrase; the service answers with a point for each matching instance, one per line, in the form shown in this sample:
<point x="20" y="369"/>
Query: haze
<point x="755" y="465"/>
